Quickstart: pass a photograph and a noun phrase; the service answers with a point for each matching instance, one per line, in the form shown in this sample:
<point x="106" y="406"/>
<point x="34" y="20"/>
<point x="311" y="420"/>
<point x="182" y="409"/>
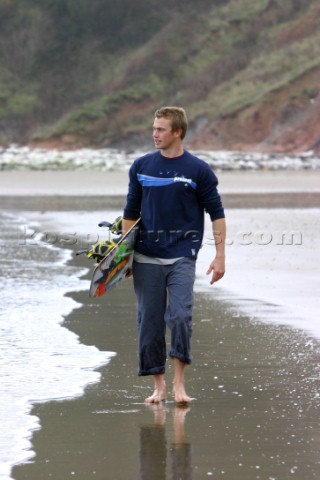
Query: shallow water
<point x="39" y="359"/>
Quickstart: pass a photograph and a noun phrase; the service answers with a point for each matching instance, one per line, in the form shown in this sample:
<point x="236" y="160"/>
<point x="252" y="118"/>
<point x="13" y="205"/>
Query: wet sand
<point x="255" y="413"/>
<point x="107" y="190"/>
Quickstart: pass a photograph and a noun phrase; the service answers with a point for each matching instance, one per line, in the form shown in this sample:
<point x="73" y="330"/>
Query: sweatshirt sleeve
<point x="208" y="194"/>
<point x="133" y="205"/>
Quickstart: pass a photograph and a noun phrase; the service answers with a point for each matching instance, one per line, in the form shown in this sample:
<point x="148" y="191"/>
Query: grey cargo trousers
<point x="164" y="298"/>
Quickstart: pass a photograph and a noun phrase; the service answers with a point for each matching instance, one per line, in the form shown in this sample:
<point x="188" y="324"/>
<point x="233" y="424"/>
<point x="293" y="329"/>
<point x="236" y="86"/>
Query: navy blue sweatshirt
<point x="171" y="196"/>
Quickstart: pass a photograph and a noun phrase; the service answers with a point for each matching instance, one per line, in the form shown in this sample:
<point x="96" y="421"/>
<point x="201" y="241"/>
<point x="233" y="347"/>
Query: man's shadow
<point x="157" y="452"/>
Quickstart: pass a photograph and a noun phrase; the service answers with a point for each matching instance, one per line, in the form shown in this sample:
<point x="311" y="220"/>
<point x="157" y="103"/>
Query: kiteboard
<point x="116" y="265"/>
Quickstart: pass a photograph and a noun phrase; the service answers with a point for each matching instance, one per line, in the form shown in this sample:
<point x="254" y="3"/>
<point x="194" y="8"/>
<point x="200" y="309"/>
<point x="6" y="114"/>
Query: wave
<point x="40" y="360"/>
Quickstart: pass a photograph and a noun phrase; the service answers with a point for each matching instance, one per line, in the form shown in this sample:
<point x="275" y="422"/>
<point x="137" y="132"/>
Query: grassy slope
<point x="225" y="64"/>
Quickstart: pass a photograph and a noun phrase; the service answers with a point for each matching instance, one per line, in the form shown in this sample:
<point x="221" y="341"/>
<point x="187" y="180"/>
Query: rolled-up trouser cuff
<point x="152" y="371"/>
<point x="174" y="354"/>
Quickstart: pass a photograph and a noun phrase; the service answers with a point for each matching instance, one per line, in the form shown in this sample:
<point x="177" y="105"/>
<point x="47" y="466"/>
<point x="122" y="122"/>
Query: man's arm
<point x="132" y="209"/>
<point x="127" y="224"/>
<point x="217" y="266"/>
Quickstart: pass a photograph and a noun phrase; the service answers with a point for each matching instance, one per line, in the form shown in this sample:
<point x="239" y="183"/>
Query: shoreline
<point x="290" y="200"/>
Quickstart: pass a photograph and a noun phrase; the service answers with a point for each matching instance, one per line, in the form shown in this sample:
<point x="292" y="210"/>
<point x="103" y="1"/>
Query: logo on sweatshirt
<point x="148" y="181"/>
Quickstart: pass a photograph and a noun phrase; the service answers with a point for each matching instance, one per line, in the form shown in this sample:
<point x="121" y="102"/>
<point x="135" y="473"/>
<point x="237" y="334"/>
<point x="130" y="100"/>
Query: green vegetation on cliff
<point x="94" y="71"/>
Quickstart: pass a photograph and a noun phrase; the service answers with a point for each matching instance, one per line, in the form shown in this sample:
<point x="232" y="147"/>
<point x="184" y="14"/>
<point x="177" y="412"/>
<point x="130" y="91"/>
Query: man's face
<point x="163" y="136"/>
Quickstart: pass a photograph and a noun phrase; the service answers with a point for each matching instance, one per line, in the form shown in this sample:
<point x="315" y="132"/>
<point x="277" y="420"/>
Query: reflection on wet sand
<point x="157" y="448"/>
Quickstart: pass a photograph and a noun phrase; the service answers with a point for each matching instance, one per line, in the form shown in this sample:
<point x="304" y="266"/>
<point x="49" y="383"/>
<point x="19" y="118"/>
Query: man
<point x="170" y="189"/>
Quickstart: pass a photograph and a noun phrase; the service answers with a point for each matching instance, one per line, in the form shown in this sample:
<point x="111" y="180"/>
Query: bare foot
<point x="180" y="395"/>
<point x="159" y="395"/>
<point x="178" y="391"/>
<point x="160" y="390"/>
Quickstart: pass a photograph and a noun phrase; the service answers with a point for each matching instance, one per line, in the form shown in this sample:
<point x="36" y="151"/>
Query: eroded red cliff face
<point x="286" y="120"/>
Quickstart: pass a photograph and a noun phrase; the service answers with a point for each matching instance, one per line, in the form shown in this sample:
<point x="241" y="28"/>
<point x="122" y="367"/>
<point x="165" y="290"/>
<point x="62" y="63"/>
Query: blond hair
<point x="177" y="116"/>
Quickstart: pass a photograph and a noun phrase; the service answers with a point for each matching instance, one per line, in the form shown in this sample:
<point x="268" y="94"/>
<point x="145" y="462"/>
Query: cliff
<point x="82" y="73"/>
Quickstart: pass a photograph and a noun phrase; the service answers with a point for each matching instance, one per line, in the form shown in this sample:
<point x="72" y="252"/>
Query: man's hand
<point x="217" y="268"/>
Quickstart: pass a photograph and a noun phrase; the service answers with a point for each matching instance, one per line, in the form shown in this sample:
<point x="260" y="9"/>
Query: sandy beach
<point x="79" y="182"/>
<point x="255" y="382"/>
